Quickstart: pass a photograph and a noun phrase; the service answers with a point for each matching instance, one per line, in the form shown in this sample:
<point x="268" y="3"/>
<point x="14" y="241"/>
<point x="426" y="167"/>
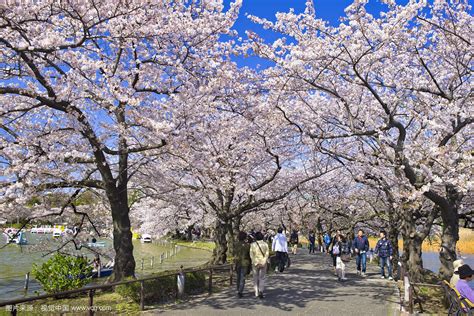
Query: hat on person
<point x="465" y="271"/>
<point x="457" y="264"/>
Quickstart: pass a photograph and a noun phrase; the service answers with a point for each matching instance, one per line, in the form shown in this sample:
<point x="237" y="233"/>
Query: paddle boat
<point x="101" y="271"/>
<point x="20" y="239"/>
<point x="146" y="238"/>
<point x="104" y="272"/>
<point x="15" y="237"/>
<point x="57" y="233"/>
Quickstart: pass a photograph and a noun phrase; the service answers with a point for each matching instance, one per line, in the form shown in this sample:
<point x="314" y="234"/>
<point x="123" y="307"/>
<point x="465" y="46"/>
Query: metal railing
<point x="12" y="304"/>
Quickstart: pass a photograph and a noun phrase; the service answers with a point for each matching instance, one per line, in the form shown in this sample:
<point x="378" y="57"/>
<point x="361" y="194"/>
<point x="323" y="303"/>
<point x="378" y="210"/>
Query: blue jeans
<point x="241" y="273"/>
<point x="311" y="247"/>
<point x="361" y="260"/>
<point x="385" y="261"/>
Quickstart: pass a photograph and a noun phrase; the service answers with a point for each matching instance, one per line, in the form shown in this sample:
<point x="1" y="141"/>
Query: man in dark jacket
<point x="312" y="241"/>
<point x="360" y="245"/>
<point x="384" y="250"/>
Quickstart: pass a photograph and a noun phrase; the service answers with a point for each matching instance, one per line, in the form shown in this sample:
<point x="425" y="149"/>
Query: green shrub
<point x="131" y="291"/>
<point x="156" y="291"/>
<point x="62" y="273"/>
<point x="195" y="282"/>
<point x="163" y="289"/>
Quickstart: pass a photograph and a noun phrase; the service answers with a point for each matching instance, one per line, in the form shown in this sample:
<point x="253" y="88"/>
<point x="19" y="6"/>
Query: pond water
<point x="431" y="262"/>
<point x="16" y="261"/>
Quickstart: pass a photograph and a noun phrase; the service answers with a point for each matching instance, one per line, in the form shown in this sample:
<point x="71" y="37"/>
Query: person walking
<point x="326" y="242"/>
<point x="242" y="261"/>
<point x="384" y="250"/>
<point x="320" y="243"/>
<point x="330" y="249"/>
<point x="294" y="240"/>
<point x="339" y="249"/>
<point x="312" y="241"/>
<point x="280" y="246"/>
<point x="259" y="254"/>
<point x="360" y="245"/>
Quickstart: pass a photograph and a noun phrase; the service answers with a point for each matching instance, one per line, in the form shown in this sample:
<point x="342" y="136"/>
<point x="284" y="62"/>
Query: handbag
<point x="268" y="259"/>
<point x="345" y="257"/>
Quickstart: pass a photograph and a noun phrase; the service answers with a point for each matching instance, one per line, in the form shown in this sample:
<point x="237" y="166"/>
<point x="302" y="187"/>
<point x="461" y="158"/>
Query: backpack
<point x="335" y="249"/>
<point x="345" y="248"/>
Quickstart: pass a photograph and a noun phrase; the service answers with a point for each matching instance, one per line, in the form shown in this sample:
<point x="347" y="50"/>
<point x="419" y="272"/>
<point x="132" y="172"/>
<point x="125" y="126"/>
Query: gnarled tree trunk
<point x="219" y="255"/>
<point x="412" y="247"/>
<point x="232" y="234"/>
<point x="449" y="239"/>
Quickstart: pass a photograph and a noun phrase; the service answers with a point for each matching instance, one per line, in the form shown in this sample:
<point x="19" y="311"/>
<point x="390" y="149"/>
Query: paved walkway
<point x="308" y="288"/>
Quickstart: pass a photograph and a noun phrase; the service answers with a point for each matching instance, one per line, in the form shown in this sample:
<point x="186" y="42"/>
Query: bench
<point x="458" y="305"/>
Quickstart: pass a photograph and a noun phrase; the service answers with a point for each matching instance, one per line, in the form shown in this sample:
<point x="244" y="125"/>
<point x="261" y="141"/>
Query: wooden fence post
<point x="91" y="302"/>
<point x="231" y="271"/>
<point x="152" y="261"/>
<point x="142" y="295"/>
<point x="210" y="280"/>
<point x="406" y="287"/>
<point x="27" y="281"/>
<point x="180" y="283"/>
<point x="142" y="262"/>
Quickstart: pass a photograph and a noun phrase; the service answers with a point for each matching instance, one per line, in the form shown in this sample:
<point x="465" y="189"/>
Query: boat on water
<point x="43" y="229"/>
<point x="13" y="236"/>
<point x="20" y="239"/>
<point x="57" y="233"/>
<point x="104" y="272"/>
<point x="47" y="229"/>
<point x="146" y="238"/>
<point x="99" y="244"/>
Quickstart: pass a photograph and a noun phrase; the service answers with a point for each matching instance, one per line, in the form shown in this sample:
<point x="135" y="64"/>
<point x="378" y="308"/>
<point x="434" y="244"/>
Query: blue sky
<point x="329" y="10"/>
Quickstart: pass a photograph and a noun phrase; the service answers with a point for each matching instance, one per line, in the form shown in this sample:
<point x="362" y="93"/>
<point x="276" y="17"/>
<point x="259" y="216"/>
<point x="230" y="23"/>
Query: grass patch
<point x="427" y="300"/>
<point x="106" y="303"/>
<point x="204" y="245"/>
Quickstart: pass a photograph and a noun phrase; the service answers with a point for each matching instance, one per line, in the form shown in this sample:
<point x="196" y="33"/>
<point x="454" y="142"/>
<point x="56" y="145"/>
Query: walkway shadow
<point x="309" y="282"/>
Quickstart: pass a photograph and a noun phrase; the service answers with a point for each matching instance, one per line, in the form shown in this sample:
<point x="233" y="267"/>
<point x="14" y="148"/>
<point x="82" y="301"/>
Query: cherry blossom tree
<point x="399" y="86"/>
<point x="88" y="90"/>
<point x="232" y="157"/>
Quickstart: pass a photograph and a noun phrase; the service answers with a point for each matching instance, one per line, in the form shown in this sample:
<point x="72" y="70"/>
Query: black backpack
<point x="345" y="248"/>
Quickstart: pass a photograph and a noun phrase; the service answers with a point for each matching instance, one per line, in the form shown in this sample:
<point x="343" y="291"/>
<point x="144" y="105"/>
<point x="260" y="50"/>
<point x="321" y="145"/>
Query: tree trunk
<point x="412" y="251"/>
<point x="232" y="234"/>
<point x="124" y="260"/>
<point x="449" y="239"/>
<point x="393" y="233"/>
<point x="414" y="261"/>
<point x="319" y="226"/>
<point x="219" y="255"/>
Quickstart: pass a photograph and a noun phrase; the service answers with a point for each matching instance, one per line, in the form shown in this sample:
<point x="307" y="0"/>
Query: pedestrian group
<point x="252" y="254"/>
